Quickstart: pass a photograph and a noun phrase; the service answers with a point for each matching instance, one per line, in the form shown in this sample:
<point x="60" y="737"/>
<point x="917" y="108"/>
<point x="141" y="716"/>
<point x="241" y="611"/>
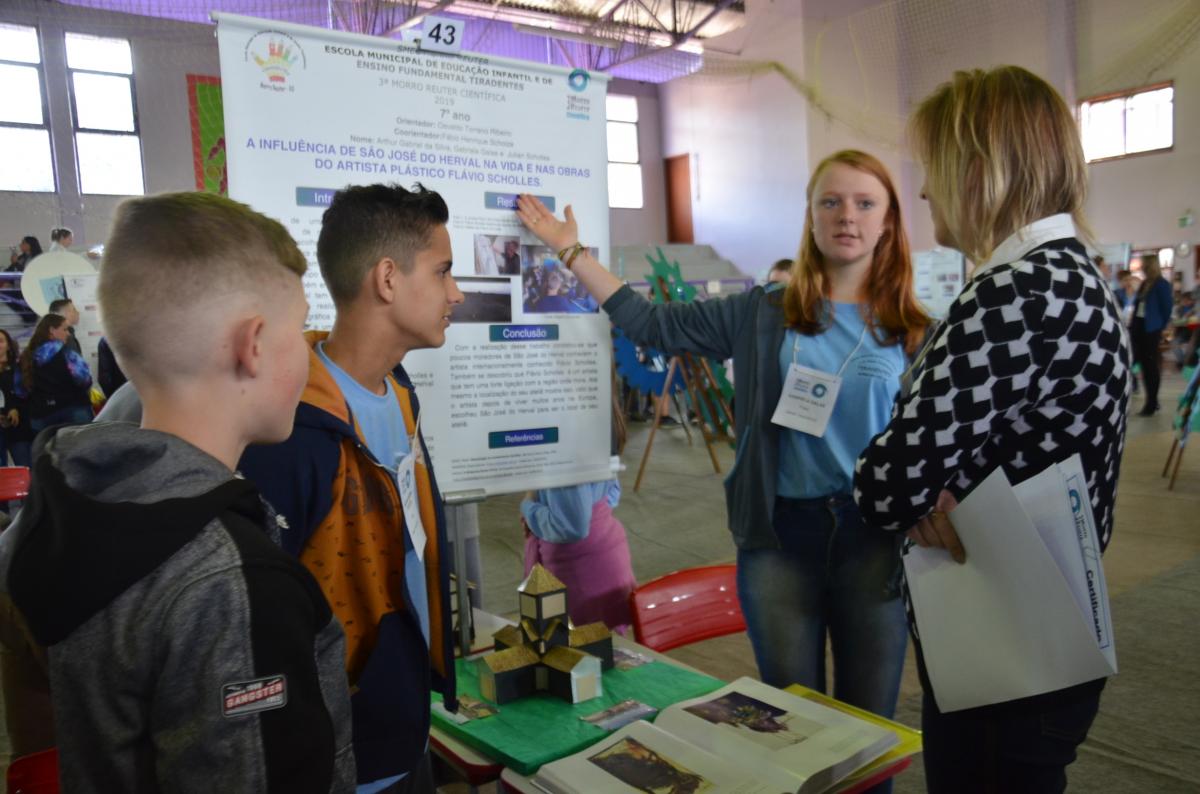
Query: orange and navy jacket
<point x="345" y="523"/>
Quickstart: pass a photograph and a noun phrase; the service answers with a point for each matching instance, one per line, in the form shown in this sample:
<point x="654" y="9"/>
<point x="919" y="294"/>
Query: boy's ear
<point x="385" y="279"/>
<point x="247" y="345"/>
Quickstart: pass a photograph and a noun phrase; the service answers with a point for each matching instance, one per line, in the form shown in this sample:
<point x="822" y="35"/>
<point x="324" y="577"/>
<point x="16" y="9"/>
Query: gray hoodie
<point x="187" y="652"/>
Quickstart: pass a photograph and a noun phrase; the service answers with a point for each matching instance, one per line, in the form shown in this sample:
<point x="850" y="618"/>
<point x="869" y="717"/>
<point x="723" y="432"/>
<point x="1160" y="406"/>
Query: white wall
<point x="164" y="53"/>
<point x="1139" y="199"/>
<point x="647" y="226"/>
<point x="749" y="141"/>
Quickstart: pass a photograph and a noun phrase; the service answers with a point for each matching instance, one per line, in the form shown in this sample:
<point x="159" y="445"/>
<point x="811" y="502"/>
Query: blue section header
<point x="522" y="333"/>
<point x="508" y="201"/>
<point x="314" y="196"/>
<point x="523" y="438"/>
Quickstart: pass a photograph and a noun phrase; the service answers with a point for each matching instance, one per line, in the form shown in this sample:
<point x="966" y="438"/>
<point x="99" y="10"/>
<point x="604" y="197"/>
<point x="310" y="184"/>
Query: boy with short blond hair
<point x="187" y="651"/>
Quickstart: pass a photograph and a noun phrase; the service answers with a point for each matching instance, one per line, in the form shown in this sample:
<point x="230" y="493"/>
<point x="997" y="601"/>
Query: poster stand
<point x="462" y="594"/>
<point x="1185" y="416"/>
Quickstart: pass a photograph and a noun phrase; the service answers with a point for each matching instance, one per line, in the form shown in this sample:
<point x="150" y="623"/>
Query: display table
<point x="516" y="742"/>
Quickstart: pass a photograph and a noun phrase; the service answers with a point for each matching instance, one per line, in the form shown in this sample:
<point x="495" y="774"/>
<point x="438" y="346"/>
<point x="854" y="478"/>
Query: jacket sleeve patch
<point x="251" y="697"/>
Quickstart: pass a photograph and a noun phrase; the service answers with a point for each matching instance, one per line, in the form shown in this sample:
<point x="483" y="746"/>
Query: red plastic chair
<point x="36" y="773"/>
<point x="14" y="483"/>
<point x="687" y="606"/>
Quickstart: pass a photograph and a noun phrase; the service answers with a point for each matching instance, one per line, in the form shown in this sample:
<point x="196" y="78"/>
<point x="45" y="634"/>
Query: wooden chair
<point x="36" y="773"/>
<point x="687" y="606"/>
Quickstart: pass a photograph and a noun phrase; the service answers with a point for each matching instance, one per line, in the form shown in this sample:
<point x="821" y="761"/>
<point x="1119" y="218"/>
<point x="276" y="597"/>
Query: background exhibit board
<point x="518" y="397"/>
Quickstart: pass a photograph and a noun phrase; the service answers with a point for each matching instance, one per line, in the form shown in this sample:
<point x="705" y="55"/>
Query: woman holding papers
<point x="1031" y="367"/>
<point x="819" y="364"/>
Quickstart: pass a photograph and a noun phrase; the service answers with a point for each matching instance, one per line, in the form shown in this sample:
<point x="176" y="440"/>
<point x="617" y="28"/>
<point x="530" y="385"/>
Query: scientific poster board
<point x="518" y="397"/>
<point x="938" y="276"/>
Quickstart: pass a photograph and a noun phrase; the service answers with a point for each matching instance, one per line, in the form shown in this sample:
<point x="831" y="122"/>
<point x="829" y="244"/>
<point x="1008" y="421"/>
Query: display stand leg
<point x="465" y="616"/>
<point x="1170" y="456"/>
<point x="682" y="417"/>
<point x="659" y="407"/>
<point x="1175" y="471"/>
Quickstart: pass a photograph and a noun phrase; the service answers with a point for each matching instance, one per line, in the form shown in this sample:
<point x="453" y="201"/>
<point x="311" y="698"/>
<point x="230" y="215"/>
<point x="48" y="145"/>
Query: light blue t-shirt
<point x="811" y="467"/>
<point x="564" y="515"/>
<point x="382" y="424"/>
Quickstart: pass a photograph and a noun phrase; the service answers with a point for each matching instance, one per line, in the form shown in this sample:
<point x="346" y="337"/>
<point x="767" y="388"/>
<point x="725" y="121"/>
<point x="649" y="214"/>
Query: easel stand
<point x="1177" y="446"/>
<point x="704" y="396"/>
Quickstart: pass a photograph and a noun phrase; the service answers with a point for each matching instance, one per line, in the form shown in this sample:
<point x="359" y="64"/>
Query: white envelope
<point x="1027" y="613"/>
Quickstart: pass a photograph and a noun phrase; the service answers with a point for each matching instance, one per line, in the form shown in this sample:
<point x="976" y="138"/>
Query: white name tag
<point x="807" y="400"/>
<point x="406" y="480"/>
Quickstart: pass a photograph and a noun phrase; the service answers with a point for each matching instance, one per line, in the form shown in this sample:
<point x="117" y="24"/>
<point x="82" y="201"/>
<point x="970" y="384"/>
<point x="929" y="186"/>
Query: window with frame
<point x="108" y="146"/>
<point x="26" y="162"/>
<point x="1129" y="122"/>
<point x="624" y="161"/>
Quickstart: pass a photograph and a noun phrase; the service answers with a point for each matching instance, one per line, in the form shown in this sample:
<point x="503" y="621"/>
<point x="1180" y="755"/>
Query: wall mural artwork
<point x="207" y="116"/>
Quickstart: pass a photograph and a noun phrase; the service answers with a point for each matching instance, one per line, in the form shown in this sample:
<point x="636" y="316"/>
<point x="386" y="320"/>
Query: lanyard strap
<point x="861" y="336"/>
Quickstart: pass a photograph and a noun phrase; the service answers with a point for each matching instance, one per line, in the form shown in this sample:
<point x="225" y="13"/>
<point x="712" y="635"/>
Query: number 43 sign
<point x="442" y="34"/>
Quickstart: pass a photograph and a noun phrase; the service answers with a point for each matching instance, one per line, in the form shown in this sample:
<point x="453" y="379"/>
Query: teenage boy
<point x="187" y="652"/>
<point x="377" y="547"/>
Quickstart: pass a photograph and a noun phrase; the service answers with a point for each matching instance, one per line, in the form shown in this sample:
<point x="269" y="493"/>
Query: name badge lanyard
<point x="808" y="396"/>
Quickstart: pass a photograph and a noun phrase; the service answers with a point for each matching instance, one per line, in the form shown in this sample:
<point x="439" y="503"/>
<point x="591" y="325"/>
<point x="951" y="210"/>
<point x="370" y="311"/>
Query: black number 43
<point x="443" y="34"/>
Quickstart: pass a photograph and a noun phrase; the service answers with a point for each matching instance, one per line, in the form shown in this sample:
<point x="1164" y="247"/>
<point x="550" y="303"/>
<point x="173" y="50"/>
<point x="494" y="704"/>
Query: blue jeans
<point x="21" y="452"/>
<point x="832" y="573"/>
<point x="75" y="415"/>
<point x="1022" y="747"/>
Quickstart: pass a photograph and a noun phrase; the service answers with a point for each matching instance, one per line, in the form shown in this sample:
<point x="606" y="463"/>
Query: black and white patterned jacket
<point x="1031" y="366"/>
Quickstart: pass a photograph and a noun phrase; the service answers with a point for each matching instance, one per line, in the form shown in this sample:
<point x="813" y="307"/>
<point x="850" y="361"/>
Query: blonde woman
<point x="1031" y="367"/>
<point x="809" y="567"/>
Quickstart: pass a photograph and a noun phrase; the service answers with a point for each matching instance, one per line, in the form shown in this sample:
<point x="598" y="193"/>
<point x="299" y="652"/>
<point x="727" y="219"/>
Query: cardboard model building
<point x="545" y="653"/>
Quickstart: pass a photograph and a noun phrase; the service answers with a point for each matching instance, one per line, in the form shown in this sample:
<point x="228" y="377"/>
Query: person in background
<point x="573" y="533"/>
<point x="780" y="272"/>
<point x="61" y="239"/>
<point x="109" y="374"/>
<point x="15" y="436"/>
<point x="1030" y="368"/>
<point x="26" y="251"/>
<point x="1151" y="314"/>
<point x="54" y="378"/>
<point x="808" y="565"/>
<point x="66" y="307"/>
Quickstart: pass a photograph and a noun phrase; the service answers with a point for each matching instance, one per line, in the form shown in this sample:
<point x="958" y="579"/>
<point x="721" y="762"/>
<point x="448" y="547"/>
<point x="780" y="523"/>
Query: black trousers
<point x="1022" y="747"/>
<point x="1146" y="353"/>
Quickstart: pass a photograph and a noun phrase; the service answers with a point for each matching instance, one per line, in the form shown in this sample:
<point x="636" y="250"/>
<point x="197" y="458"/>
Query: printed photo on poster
<point x="547" y="287"/>
<point x="497" y="255"/>
<point x="485" y="300"/>
<point x="636" y="765"/>
<point x="761" y="723"/>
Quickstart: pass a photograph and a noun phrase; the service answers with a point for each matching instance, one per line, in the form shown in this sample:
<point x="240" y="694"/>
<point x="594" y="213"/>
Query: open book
<point x="745" y="738"/>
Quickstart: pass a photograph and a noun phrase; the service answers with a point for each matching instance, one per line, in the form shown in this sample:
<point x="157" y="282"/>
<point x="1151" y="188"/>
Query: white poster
<point x="81" y="289"/>
<point x="938" y="277"/>
<point x="518" y="397"/>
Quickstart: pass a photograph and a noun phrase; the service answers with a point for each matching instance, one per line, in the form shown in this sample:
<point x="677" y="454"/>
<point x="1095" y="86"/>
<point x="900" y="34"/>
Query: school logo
<point x="250" y="697"/>
<point x="578" y="80"/>
<point x="279" y="57"/>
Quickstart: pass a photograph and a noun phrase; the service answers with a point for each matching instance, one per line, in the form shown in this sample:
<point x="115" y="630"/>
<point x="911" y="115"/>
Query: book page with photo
<point x="790" y="741"/>
<point x="642" y="758"/>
